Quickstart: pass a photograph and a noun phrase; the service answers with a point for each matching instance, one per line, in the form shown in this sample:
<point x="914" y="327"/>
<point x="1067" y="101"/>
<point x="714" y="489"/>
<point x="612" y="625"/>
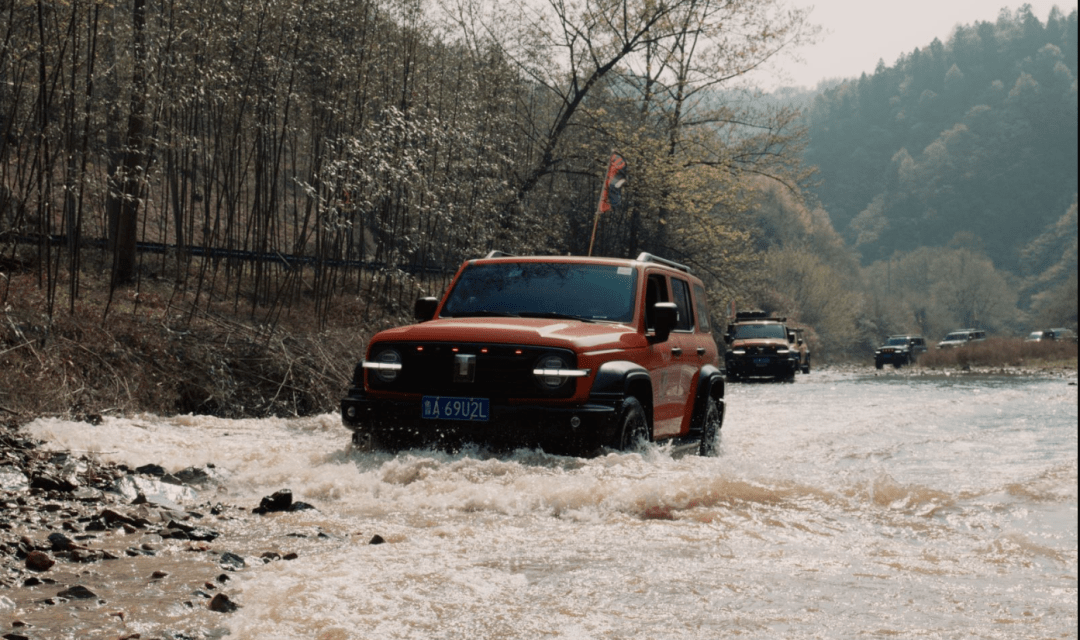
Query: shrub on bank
<point x="157" y="353"/>
<point x="1002" y="352"/>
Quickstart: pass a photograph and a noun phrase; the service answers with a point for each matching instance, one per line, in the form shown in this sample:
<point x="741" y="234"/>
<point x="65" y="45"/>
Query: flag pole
<point x="595" y="221"/>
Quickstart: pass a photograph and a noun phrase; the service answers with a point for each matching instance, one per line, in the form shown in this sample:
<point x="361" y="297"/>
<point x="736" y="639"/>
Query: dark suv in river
<point x="899" y="350"/>
<point x="571" y="354"/>
<point x="760" y="346"/>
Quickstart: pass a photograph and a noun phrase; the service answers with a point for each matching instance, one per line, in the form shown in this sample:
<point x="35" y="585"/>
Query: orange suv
<point x="570" y="354"/>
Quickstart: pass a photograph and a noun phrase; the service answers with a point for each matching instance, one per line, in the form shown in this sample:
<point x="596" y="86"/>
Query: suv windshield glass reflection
<point x="760" y="331"/>
<point x="894" y="342"/>
<point x="544" y="289"/>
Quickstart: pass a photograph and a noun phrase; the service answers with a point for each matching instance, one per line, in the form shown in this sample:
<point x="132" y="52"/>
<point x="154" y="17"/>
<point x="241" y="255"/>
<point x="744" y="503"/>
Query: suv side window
<point x="681" y="291"/>
<point x="702" y="306"/>
<point x="655" y="291"/>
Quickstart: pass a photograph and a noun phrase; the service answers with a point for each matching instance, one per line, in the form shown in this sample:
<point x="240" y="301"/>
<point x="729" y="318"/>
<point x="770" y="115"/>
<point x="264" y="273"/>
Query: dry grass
<point x="1003" y="352"/>
<point x="155" y="351"/>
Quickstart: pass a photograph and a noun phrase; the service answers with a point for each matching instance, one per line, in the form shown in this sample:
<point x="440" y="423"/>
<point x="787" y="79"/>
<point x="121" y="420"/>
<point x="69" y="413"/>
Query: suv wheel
<point x="806" y="367"/>
<point x="710" y="429"/>
<point x="633" y="431"/>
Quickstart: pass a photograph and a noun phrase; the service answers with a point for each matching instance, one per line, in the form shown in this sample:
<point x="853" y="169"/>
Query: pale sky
<point x="858" y="33"/>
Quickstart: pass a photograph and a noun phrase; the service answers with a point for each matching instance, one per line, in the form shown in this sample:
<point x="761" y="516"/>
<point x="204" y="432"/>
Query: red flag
<point x="611" y="183"/>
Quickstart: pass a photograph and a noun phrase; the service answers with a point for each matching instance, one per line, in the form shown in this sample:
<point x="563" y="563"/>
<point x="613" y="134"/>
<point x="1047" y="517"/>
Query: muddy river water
<point x="845" y="505"/>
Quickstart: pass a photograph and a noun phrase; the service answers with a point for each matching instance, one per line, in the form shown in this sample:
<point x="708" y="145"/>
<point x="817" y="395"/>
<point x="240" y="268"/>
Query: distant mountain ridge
<point x="971" y="142"/>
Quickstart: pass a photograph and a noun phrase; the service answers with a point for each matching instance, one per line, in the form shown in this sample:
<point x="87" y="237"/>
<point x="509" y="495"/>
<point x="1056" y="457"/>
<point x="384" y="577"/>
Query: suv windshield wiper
<point x="553" y="314"/>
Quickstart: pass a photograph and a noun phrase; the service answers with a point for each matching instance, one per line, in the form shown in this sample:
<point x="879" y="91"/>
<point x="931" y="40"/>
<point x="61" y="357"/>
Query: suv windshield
<point x="953" y="337"/>
<point x="895" y="342"/>
<point x="546" y="290"/>
<point x="759" y="331"/>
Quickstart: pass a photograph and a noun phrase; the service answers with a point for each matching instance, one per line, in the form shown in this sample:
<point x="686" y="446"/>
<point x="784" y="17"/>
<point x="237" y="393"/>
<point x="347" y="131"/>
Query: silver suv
<point x="962" y="337"/>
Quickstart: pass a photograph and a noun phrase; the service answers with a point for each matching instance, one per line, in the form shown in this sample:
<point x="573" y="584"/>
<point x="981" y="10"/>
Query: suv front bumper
<point x="760" y="366"/>
<point x="400" y="421"/>
<point x="896" y="357"/>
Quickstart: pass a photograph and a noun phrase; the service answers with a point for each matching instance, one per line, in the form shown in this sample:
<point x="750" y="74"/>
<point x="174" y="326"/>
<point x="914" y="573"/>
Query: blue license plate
<point x="450" y="408"/>
<point x="761" y="361"/>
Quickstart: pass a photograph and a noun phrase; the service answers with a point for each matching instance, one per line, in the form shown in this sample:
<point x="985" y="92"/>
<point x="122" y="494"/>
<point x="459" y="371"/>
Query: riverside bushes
<point x="1002" y="352"/>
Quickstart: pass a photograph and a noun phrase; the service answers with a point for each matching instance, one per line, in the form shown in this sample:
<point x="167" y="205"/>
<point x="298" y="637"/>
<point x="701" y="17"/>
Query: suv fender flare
<point x="620" y="379"/>
<point x="710" y="385"/>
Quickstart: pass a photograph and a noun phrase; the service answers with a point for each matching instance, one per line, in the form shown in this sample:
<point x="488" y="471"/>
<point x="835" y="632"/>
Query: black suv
<point x="759" y="346"/>
<point x="899" y="350"/>
<point x="567" y="353"/>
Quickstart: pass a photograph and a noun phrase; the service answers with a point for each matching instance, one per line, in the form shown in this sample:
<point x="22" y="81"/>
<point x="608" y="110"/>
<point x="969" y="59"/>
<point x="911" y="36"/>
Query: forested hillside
<point x="972" y="139"/>
<point x="952" y="177"/>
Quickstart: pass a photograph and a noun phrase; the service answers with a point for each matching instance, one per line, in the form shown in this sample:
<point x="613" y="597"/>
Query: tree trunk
<point x="135" y="158"/>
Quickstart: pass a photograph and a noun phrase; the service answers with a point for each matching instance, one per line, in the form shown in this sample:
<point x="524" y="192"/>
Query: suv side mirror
<point x="425" y="308"/>
<point x="667" y="316"/>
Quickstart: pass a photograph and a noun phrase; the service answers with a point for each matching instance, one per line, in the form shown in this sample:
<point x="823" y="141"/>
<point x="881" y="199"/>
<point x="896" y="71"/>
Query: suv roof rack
<point x="757" y="314"/>
<point x="645" y="256"/>
<point x="498" y="254"/>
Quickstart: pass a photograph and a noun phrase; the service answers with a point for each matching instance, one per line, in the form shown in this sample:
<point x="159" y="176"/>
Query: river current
<point x="844" y="505"/>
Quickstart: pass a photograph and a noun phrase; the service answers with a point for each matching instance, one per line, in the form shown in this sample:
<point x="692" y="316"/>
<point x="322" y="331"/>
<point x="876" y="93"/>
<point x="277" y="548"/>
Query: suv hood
<point x="573" y="334"/>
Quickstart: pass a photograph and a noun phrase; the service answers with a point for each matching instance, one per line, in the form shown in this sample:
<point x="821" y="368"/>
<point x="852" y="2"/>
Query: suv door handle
<point x="701" y="351"/>
<point x="676" y="351"/>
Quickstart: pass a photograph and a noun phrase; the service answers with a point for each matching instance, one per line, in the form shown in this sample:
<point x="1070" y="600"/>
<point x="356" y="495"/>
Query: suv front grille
<point x="501" y="371"/>
<point x="759" y="350"/>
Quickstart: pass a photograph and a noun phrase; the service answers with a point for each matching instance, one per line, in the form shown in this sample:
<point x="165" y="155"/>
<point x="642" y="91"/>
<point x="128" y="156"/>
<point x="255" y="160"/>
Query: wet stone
<point x="151" y="470"/>
<point x="77" y="592"/>
<point x="232" y="561"/>
<point x="50" y="482"/>
<point x="60" y="542"/>
<point x="85" y="556"/>
<point x="97" y="524"/>
<point x="279" y="501"/>
<point x="39" y="561"/>
<point x="223" y="604"/>
<point x="181" y="531"/>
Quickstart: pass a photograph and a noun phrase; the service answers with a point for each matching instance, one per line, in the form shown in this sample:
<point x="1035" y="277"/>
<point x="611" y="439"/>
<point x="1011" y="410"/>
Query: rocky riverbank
<point x="106" y="551"/>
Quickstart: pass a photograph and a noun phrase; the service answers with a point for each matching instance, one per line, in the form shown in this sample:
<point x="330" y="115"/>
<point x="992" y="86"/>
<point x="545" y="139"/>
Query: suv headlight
<point x="386" y="365"/>
<point x="553" y="372"/>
